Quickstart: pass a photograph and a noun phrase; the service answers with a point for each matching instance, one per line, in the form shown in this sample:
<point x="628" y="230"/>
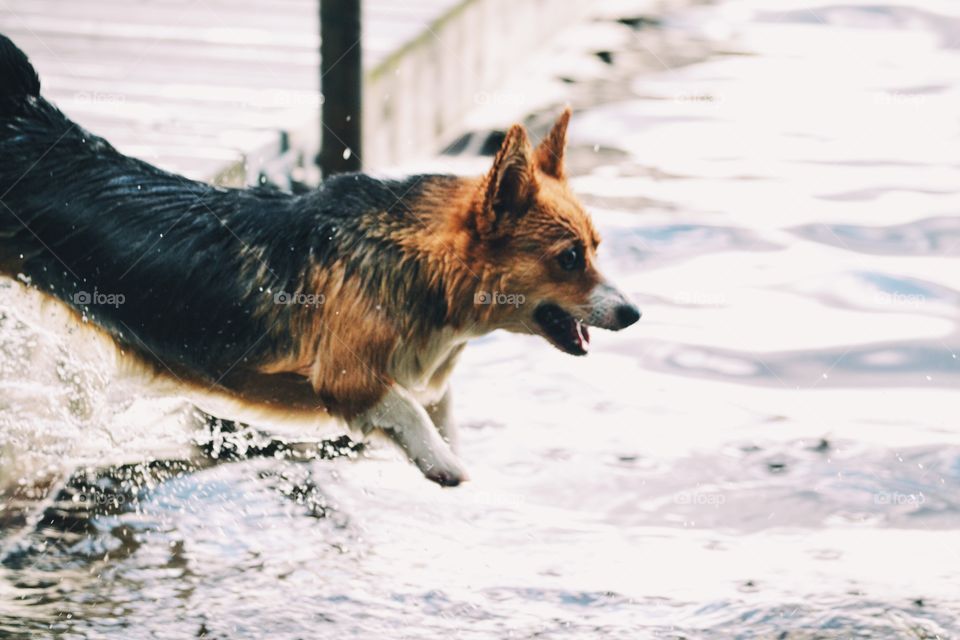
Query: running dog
<point x="354" y="300"/>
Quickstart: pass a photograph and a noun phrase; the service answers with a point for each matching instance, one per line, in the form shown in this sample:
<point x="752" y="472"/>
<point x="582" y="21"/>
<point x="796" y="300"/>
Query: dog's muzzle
<point x="610" y="309"/>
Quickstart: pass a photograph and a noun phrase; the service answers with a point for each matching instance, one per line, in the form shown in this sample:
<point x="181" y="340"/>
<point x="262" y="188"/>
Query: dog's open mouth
<point x="562" y="330"/>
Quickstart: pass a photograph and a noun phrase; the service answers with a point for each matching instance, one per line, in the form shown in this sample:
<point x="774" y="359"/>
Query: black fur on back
<point x="196" y="265"/>
<point x="18" y="78"/>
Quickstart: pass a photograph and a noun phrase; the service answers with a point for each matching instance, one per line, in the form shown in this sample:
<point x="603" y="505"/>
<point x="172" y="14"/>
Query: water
<point x="772" y="452"/>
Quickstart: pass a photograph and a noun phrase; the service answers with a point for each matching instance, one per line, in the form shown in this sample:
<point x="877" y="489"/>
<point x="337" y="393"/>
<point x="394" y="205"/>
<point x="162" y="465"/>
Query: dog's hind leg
<point x="401" y="417"/>
<point x="441" y="412"/>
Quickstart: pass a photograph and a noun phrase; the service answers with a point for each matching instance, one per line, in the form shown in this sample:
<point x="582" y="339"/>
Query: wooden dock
<point x="229" y="90"/>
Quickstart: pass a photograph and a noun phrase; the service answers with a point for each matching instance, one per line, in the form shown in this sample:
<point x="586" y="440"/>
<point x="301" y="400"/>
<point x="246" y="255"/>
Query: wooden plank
<point x="200" y="16"/>
<point x="66" y="45"/>
<point x="208" y="85"/>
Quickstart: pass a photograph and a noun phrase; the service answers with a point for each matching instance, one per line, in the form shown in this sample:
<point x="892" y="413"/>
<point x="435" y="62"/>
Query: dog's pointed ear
<point x="549" y="155"/>
<point x="510" y="186"/>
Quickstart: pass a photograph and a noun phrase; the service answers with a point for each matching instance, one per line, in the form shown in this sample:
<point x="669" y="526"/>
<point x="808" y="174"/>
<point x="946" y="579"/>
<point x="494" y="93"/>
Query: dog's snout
<point x="611" y="309"/>
<point x="627" y="314"/>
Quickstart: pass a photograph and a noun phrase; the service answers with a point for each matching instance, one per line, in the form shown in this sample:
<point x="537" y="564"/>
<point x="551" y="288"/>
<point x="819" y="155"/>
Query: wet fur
<point x="398" y="263"/>
<point x="199" y="266"/>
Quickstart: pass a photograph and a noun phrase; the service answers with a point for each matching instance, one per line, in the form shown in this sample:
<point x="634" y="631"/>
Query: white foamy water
<point x="773" y="450"/>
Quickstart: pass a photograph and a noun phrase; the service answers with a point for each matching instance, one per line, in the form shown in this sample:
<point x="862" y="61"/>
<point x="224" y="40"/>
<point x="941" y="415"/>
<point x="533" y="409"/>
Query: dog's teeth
<point x="582" y="333"/>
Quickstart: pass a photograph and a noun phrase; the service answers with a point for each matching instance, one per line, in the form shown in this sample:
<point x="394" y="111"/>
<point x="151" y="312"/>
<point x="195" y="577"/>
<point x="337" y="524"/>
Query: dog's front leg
<point x="402" y="418"/>
<point x="441" y="413"/>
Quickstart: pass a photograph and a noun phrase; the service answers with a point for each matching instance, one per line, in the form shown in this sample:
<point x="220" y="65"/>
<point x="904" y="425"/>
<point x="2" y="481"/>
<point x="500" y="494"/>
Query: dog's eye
<point x="570" y="259"/>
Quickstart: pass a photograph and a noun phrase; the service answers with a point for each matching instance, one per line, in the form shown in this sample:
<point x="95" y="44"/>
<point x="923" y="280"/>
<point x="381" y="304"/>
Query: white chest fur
<point x="423" y="369"/>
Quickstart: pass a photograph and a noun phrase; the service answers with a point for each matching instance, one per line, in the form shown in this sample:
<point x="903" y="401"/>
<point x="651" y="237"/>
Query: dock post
<point x="341" y="84"/>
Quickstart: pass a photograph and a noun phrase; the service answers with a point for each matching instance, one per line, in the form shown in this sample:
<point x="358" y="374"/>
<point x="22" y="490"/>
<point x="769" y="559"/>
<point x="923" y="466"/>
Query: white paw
<point x="446" y="473"/>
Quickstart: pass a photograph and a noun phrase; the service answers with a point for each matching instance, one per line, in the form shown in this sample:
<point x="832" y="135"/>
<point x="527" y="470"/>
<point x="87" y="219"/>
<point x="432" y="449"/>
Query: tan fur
<point x="359" y="354"/>
<point x="352" y="350"/>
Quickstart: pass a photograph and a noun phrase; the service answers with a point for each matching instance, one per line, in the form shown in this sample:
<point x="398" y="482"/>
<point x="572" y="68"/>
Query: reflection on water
<point x="772" y="452"/>
<point x="926" y="237"/>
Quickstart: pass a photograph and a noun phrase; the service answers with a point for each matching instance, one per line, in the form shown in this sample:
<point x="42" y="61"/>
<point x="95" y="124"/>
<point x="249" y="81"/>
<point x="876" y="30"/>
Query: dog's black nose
<point x="627" y="314"/>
